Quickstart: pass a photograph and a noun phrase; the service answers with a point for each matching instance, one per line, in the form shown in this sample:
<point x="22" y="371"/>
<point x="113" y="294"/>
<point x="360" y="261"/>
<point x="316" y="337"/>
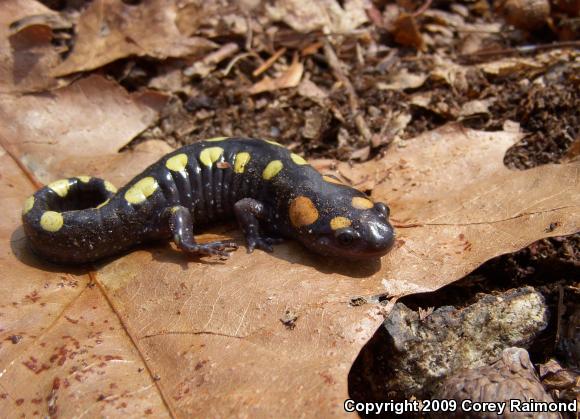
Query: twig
<point x="269" y="62"/>
<point x="237" y="58"/>
<point x="422" y="9"/>
<point x="249" y="33"/>
<point x="526" y="49"/>
<point x="211" y="60"/>
<point x="339" y="74"/>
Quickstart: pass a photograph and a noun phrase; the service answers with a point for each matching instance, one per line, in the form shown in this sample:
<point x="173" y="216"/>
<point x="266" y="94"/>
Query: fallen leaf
<point x="72" y="355"/>
<point x="453" y="74"/>
<point x="512" y="126"/>
<point x="42" y="126"/>
<point x="403" y="80"/>
<point x="525" y="15"/>
<point x="407" y="33"/>
<point x="331" y="16"/>
<point x="451" y="20"/>
<point x="421" y="99"/>
<point x="307" y="88"/>
<point x="108" y="30"/>
<point x="27" y="55"/>
<point x="452" y="197"/>
<point x="394" y="126"/>
<point x="509" y="65"/>
<point x="476" y="107"/>
<point x="290" y="78"/>
<point x="210" y="333"/>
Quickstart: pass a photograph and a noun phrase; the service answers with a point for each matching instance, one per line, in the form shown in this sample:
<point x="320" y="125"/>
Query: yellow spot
<point x="84" y="179"/>
<point x="101" y="205"/>
<point x="215" y="139"/>
<point x="339" y="222"/>
<point x="110" y="187"/>
<point x="210" y="155"/>
<point x="241" y="160"/>
<point x="297" y="159"/>
<point x="28" y="204"/>
<point x="274" y="143"/>
<point x="174" y="209"/>
<point x="272" y="169"/>
<point x="330" y="179"/>
<point x="141" y="190"/>
<point x="361" y="203"/>
<point x="60" y="187"/>
<point x="51" y="221"/>
<point x="177" y="163"/>
<point x="302" y="212"/>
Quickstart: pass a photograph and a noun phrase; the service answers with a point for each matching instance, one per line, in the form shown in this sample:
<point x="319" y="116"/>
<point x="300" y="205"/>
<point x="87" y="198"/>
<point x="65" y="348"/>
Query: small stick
<point x="214" y="58"/>
<point x="237" y="58"/>
<point x="423" y="8"/>
<point x="249" y="33"/>
<point x="269" y="62"/>
<point x="526" y="49"/>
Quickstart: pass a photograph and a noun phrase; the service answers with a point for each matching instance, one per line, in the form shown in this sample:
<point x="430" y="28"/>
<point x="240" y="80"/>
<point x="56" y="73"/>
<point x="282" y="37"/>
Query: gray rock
<point x="420" y="352"/>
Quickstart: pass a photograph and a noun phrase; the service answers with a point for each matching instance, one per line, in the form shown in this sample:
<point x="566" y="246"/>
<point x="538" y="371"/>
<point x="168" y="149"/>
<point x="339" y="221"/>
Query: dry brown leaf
<point x="331" y="16"/>
<point x="395" y="124"/>
<point x="109" y="29"/>
<point x="307" y="88"/>
<point x="64" y="352"/>
<point x="407" y="33"/>
<point x="42" y="126"/>
<point x="476" y="107"/>
<point x="511" y="126"/>
<point x="403" y="80"/>
<point x="511" y="65"/>
<point x="421" y="99"/>
<point x="453" y="74"/>
<point x="210" y="332"/>
<point x="290" y="78"/>
<point x="26" y="56"/>
<point x="451" y="20"/>
<point x="456" y="204"/>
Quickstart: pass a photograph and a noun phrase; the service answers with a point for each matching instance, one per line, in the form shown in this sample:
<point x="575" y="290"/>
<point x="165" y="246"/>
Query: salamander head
<point x="345" y="225"/>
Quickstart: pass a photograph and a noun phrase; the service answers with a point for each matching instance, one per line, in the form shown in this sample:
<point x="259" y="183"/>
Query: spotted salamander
<point x="272" y="193"/>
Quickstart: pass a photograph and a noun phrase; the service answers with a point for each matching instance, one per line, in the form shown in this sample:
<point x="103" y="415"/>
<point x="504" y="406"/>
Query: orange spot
<point x="361" y="203"/>
<point x="339" y="222"/>
<point x="303" y="212"/>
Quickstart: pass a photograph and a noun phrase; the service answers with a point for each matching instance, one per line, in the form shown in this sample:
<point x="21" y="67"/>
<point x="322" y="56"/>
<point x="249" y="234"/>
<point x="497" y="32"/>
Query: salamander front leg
<point x="181" y="228"/>
<point x="248" y="213"/>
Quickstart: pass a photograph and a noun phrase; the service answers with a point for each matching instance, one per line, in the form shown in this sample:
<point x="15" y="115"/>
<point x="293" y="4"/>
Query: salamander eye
<point x="383" y="209"/>
<point x="346" y="237"/>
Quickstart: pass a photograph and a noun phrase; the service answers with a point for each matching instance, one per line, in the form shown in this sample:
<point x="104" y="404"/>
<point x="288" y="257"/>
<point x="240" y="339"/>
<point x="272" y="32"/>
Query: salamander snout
<point x="379" y="238"/>
<point x="376" y="233"/>
<point x="369" y="235"/>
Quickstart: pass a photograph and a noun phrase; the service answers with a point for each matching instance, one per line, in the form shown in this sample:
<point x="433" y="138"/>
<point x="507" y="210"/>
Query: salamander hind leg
<point x="181" y="228"/>
<point x="248" y="213"/>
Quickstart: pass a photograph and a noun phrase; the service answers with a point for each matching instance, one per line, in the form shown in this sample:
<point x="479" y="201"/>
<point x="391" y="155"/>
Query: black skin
<point x="201" y="194"/>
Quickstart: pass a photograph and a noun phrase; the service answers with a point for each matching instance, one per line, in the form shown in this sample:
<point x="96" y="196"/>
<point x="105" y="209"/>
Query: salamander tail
<point x="64" y="222"/>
